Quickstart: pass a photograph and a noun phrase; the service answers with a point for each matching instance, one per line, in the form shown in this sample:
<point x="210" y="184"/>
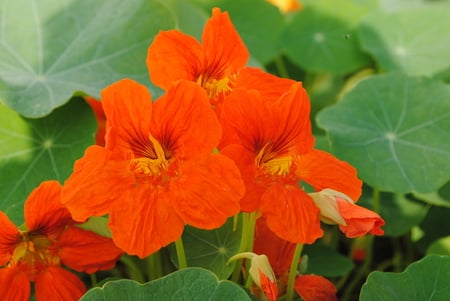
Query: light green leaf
<point x="415" y="41"/>
<point x="97" y="224"/>
<point x="187" y="284"/>
<point x="437" y="198"/>
<point x="426" y="279"/>
<point x="440" y="247"/>
<point x="34" y="150"/>
<point x="322" y="37"/>
<point x="211" y="249"/>
<point x="394" y="130"/>
<point x="51" y="48"/>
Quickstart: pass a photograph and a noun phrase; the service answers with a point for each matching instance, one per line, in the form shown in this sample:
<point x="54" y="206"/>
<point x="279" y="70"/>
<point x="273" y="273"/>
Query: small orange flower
<point x="315" y="288"/>
<point x="217" y="64"/>
<point x="272" y="144"/>
<point x="50" y="240"/>
<point x="338" y="208"/>
<point x="286" y="6"/>
<point x="157" y="171"/>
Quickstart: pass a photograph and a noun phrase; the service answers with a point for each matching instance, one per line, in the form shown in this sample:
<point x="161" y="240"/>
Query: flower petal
<point x="9" y="237"/>
<point x="207" y="192"/>
<point x="184" y="123"/>
<point x="97" y="108"/>
<point x="85" y="251"/>
<point x="143" y="221"/>
<point x="360" y="221"/>
<point x="315" y="288"/>
<point x="57" y="284"/>
<point x="128" y="110"/>
<point x="291" y="214"/>
<point x="322" y="170"/>
<point x="222" y="44"/>
<point x="14" y="285"/>
<point x="173" y="56"/>
<point x="94" y="184"/>
<point x="44" y="211"/>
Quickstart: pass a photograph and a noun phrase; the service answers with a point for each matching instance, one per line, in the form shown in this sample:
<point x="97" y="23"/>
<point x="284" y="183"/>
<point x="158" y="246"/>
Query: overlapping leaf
<point x="394" y="130"/>
<point x="51" y="48"/>
<point x="187" y="284"/>
<point x="34" y="150"/>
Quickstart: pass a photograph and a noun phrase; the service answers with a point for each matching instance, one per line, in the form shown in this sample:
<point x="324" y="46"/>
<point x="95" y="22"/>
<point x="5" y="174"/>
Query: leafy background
<point x="377" y="72"/>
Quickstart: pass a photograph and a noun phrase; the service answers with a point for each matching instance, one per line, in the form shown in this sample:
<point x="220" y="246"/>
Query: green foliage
<point x="187" y="284"/>
<point x="426" y="279"/>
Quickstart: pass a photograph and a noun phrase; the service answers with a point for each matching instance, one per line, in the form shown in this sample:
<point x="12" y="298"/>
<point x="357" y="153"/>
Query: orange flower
<point x="157" y="171"/>
<point x="338" y="208"/>
<point x="272" y="144"/>
<point x="51" y="239"/>
<point x="217" y="64"/>
<point x="315" y="288"/>
<point x="286" y="6"/>
<point x="97" y="108"/>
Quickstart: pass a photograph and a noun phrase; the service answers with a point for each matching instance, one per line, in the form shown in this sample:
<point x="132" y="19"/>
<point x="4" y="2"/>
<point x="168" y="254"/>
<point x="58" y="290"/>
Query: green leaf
<point x="440" y="247"/>
<point x="211" y="249"/>
<point x="97" y="224"/>
<point x="394" y="130"/>
<point x="187" y="284"/>
<point x="323" y="260"/>
<point x="412" y="40"/>
<point x="426" y="279"/>
<point x="51" y="48"/>
<point x="437" y="198"/>
<point x="34" y="150"/>
<point x="322" y="37"/>
<point x="436" y="225"/>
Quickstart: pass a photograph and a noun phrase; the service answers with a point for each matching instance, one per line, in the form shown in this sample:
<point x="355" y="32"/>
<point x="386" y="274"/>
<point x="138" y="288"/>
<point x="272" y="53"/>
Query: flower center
<point x="267" y="160"/>
<point x="33" y="252"/>
<point x="151" y="165"/>
<point x="215" y="87"/>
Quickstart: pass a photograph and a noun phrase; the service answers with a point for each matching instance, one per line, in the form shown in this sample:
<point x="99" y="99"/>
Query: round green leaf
<point x="211" y="249"/>
<point x="187" y="284"/>
<point x="320" y="40"/>
<point x="436" y="225"/>
<point x="51" y="48"/>
<point x="34" y="150"/>
<point x="426" y="279"/>
<point x="415" y="41"/>
<point x="395" y="131"/>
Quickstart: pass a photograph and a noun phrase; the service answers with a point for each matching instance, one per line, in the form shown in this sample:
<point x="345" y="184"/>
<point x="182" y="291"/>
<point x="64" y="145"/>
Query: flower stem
<point x="181" y="255"/>
<point x="246" y="245"/>
<point x="281" y="67"/>
<point x="154" y="266"/>
<point x="293" y="272"/>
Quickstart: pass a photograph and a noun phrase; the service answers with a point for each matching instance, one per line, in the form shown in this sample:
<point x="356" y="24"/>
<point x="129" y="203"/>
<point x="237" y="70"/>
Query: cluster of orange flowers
<point x="223" y="139"/>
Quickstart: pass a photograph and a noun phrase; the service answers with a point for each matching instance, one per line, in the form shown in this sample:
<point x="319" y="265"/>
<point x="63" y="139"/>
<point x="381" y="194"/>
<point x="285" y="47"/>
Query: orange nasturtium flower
<point x="97" y="109"/>
<point x="272" y="144"/>
<point x="286" y="6"/>
<point x="217" y="64"/>
<point x="315" y="288"/>
<point x="157" y="171"/>
<point x="49" y="239"/>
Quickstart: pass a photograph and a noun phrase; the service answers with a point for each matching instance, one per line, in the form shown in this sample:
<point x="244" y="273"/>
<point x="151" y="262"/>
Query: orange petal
<point x="143" y="221"/>
<point x="14" y="285"/>
<point x="128" y="109"/>
<point x="57" y="284"/>
<point x="94" y="184"/>
<point x="44" y="211"/>
<point x="322" y="170"/>
<point x="9" y="237"/>
<point x="100" y="116"/>
<point x="184" y="122"/>
<point x="173" y="56"/>
<point x="269" y="288"/>
<point x="291" y="214"/>
<point x="85" y="251"/>
<point x="270" y="87"/>
<point x="360" y="221"/>
<point x="222" y="44"/>
<point x="315" y="288"/>
<point x="207" y="192"/>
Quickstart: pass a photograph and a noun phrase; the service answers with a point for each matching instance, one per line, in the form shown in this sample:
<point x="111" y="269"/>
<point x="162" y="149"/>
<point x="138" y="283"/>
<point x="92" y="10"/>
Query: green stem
<point x="132" y="268"/>
<point x="246" y="245"/>
<point x="154" y="266"/>
<point x="181" y="255"/>
<point x="93" y="279"/>
<point x="281" y="67"/>
<point x="293" y="272"/>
